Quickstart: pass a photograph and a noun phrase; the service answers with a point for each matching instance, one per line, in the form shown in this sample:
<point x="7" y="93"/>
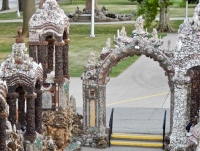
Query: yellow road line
<point x="140" y="98"/>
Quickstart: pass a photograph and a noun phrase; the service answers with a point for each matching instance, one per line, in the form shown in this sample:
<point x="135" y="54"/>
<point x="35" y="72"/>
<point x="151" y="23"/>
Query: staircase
<point x="136" y="140"/>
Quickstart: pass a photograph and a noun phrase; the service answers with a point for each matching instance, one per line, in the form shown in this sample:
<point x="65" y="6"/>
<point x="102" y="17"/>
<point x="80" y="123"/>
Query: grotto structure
<point x="24" y="79"/>
<point x="181" y="66"/>
<point x="48" y="45"/>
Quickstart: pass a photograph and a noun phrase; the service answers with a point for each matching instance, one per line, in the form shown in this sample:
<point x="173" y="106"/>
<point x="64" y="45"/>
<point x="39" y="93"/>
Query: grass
<point x="80" y="46"/>
<point x="11" y="15"/>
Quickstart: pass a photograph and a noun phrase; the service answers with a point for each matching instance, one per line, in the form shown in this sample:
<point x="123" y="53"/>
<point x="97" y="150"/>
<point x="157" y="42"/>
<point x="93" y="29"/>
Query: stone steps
<point x="136" y="140"/>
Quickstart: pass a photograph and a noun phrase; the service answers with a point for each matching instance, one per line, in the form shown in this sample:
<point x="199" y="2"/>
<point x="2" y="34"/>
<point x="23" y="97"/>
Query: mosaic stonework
<point x="180" y="64"/>
<point x="50" y="13"/>
<point x="49" y="44"/>
<point x="22" y="75"/>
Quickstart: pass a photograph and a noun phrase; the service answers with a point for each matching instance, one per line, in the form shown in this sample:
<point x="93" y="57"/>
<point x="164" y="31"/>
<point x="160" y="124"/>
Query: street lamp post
<point x="17" y="12"/>
<point x="92" y="20"/>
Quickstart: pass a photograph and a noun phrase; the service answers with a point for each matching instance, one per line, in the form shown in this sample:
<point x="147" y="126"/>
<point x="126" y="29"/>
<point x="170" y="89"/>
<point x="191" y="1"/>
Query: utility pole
<point x="92" y="20"/>
<point x="186" y="12"/>
<point x="17" y="12"/>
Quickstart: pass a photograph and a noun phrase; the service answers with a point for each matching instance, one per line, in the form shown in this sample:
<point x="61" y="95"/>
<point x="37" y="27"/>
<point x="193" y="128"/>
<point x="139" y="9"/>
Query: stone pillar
<point x="171" y="86"/>
<point x="181" y="109"/>
<point x="84" y="106"/>
<point x="3" y="136"/>
<point x="59" y="78"/>
<point x="33" y="51"/>
<point x="38" y="111"/>
<point x="30" y="134"/>
<point x="11" y="100"/>
<point x="65" y="59"/>
<point x="21" y="105"/>
<point x="101" y="112"/>
<point x="50" y="54"/>
<point x="42" y="57"/>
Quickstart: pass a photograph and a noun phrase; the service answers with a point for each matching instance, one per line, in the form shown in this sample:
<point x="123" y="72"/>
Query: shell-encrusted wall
<point x="181" y="65"/>
<point x="20" y="66"/>
<point x="50" y="18"/>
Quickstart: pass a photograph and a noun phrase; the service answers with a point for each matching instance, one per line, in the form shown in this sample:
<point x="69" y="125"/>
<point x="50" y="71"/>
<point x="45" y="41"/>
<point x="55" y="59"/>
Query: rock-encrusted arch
<point x="96" y="77"/>
<point x="133" y="46"/>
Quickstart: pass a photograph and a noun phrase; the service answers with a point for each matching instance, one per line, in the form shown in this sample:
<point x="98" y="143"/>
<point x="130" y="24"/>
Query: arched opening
<point x="194" y="98"/>
<point x="144" y="95"/>
<point x="50" y="64"/>
<point x="97" y="78"/>
<point x="20" y="108"/>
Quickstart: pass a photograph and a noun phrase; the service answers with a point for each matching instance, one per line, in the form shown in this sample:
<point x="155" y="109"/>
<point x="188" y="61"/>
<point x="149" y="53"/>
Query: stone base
<point x="37" y="145"/>
<point x="73" y="147"/>
<point x="30" y="137"/>
<point x="92" y="138"/>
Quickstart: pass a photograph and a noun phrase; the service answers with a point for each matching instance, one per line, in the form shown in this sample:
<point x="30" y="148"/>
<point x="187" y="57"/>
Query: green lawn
<point x="81" y="44"/>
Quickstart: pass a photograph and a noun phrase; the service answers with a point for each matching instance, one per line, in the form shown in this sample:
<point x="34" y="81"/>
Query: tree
<point x="89" y="3"/>
<point x="149" y="10"/>
<point x="5" y="5"/>
<point x="29" y="9"/>
<point x="21" y="5"/>
<point x="164" y="22"/>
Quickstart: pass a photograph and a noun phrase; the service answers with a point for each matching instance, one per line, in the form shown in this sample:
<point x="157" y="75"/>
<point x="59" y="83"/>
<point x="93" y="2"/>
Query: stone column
<point x="42" y="57"/>
<point x="84" y="106"/>
<point x="101" y="112"/>
<point x="181" y="109"/>
<point x="171" y="86"/>
<point x="21" y="105"/>
<point x="59" y="78"/>
<point x="50" y="54"/>
<point x="38" y="111"/>
<point x="30" y="134"/>
<point x="33" y="51"/>
<point x="3" y="136"/>
<point x="65" y="59"/>
<point x="11" y="100"/>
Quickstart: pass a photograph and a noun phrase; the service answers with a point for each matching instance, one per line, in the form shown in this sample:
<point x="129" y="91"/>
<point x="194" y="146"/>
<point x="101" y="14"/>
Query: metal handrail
<point x="164" y="127"/>
<point x="110" y="125"/>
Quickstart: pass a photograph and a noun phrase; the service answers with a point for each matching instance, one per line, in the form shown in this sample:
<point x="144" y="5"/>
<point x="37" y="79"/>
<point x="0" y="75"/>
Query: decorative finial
<point x="123" y="31"/>
<point x="155" y="34"/>
<point x="41" y="3"/>
<point x="19" y="38"/>
<point x="108" y="43"/>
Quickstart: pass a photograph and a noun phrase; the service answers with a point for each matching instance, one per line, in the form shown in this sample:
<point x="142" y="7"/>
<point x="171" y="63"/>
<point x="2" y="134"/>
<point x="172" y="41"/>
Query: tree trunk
<point x="164" y="22"/>
<point x="89" y="3"/>
<point x="71" y="1"/>
<point x="21" y="5"/>
<point x="5" y="5"/>
<point x="29" y="9"/>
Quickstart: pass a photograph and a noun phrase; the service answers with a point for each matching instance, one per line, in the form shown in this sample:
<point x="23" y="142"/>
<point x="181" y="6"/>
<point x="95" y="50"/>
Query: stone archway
<point x="129" y="47"/>
<point x="95" y="77"/>
<point x="176" y="63"/>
